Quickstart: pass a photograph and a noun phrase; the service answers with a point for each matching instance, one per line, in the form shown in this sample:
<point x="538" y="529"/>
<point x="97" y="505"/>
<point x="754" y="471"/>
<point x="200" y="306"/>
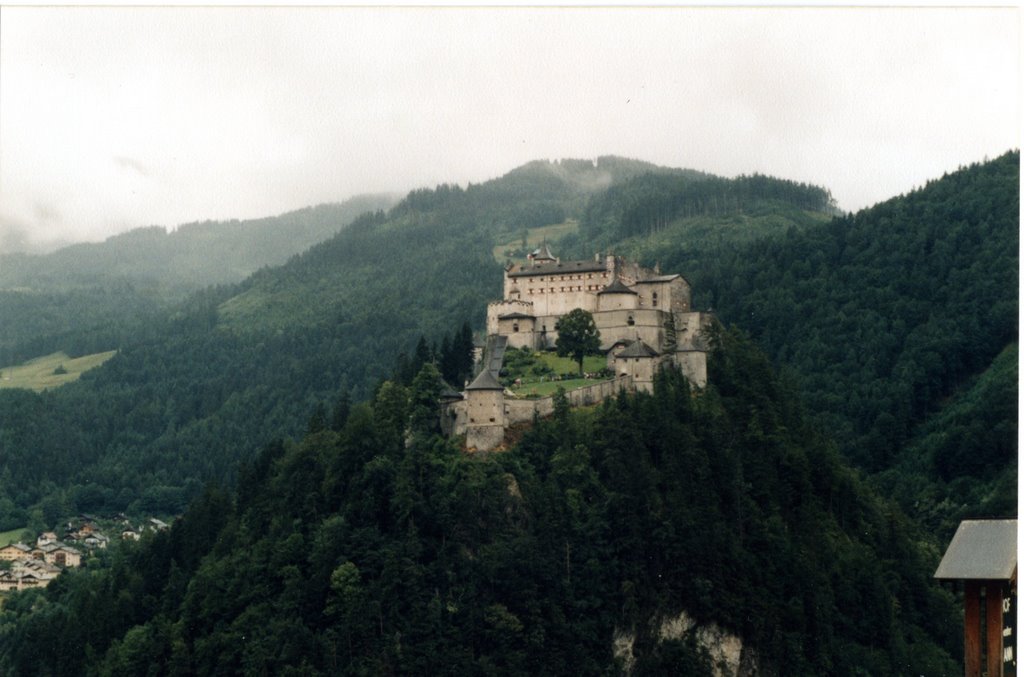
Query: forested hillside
<point x="351" y="551"/>
<point x="881" y="317"/>
<point x="93" y="297"/>
<point x="189" y="257"/>
<point x="884" y="315"/>
<point x="355" y="552"/>
<point x="195" y="389"/>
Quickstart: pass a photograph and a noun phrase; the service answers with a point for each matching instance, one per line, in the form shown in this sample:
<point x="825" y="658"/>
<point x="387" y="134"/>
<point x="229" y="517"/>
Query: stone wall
<point x="481" y="435"/>
<point x="639" y="370"/>
<point x="520" y="411"/>
<point x="648" y="326"/>
<point x="496" y="308"/>
<point x="484" y="438"/>
<point x="672" y="296"/>
<point x="617" y="301"/>
<point x="690" y="327"/>
<point x="694" y="365"/>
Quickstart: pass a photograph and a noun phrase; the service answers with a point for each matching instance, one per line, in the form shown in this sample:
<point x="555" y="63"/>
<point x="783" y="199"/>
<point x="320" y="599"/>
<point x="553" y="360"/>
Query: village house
<point x="61" y="555"/>
<point x="46" y="550"/>
<point x="28" y="573"/>
<point x="15" y="551"/>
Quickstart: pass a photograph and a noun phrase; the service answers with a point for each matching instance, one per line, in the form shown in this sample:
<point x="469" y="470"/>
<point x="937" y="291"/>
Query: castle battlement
<point x="644" y="318"/>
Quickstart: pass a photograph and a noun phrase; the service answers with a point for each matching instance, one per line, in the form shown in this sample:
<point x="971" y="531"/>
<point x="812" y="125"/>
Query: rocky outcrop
<point x="729" y="657"/>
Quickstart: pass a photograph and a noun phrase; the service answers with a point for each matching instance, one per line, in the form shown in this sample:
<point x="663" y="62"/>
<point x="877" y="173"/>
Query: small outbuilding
<point x="982" y="557"/>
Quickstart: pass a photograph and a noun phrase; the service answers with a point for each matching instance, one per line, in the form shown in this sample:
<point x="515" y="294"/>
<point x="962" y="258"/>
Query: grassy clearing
<point x="534" y="237"/>
<point x="8" y="537"/>
<point x="39" y="374"/>
<point x="567" y="365"/>
<point x="537" y="371"/>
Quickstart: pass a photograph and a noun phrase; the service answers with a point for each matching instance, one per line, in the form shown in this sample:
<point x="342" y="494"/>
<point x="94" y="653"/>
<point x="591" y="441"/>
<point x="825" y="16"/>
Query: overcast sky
<point x="115" y="118"/>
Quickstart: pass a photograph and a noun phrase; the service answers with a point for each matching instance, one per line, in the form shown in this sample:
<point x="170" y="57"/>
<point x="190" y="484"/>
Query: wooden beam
<point x="994" y="627"/>
<point x="972" y="629"/>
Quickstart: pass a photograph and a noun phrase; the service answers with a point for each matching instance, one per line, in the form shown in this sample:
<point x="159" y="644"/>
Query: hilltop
<point x="661" y="532"/>
<point x="192" y="391"/>
<point x="196" y="388"/>
<point x="91" y="297"/>
<point x="370" y="543"/>
<point x="884" y="319"/>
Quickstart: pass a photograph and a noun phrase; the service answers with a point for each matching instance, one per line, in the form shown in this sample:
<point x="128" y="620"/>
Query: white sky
<point x="114" y="118"/>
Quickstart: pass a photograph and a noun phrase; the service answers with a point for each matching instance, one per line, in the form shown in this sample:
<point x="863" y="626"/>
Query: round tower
<point x="485" y="404"/>
<point x="617" y="296"/>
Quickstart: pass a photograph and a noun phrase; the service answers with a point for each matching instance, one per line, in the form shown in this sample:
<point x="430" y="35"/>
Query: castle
<point x="644" y="319"/>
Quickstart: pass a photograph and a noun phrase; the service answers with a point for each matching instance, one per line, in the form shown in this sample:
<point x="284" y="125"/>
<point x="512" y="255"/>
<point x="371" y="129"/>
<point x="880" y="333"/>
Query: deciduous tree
<point x="577" y="336"/>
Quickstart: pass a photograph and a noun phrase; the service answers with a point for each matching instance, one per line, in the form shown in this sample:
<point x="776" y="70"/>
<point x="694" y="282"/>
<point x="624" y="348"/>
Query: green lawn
<point x="8" y="537"/>
<point x="566" y="365"/>
<point x="38" y="374"/>
<point x="534" y="385"/>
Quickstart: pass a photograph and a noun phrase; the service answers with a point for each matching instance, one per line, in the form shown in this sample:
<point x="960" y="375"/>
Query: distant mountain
<point x="195" y="389"/>
<point x="895" y="327"/>
<point x="192" y="256"/>
<point x="87" y="297"/>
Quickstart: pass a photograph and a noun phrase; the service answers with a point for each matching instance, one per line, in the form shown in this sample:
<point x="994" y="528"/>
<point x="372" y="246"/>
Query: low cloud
<point x="131" y="165"/>
<point x="13" y="237"/>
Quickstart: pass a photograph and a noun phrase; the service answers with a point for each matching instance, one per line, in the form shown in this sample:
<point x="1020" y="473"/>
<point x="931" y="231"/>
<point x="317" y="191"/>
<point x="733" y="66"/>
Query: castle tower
<point x="617" y="296"/>
<point x="485" y="403"/>
<point x="542" y="255"/>
<point x="639" y="361"/>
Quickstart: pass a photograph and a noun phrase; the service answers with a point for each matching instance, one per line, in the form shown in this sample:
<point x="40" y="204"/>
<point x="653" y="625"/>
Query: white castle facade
<point x="644" y="319"/>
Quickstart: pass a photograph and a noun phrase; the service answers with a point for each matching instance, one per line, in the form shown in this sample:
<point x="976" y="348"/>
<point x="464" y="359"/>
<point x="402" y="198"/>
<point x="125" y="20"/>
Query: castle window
<point x="515" y="327"/>
<point x="655" y="300"/>
<point x="492" y="419"/>
<point x="630" y="321"/>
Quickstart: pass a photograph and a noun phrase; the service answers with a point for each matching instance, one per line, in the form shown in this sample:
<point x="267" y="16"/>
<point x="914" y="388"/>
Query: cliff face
<point x="726" y="652"/>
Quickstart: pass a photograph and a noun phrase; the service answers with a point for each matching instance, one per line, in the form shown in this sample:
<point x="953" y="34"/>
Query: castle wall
<point x="482" y="435"/>
<point x="520" y="411"/>
<point x="608" y="302"/>
<point x="588" y="395"/>
<point x="640" y="370"/>
<point x="485" y="407"/>
<point x="672" y="295"/>
<point x="629" y="272"/>
<point x="496" y="308"/>
<point x="690" y="326"/>
<point x="558" y="297"/>
<point x="694" y="365"/>
<point x="648" y="326"/>
<point x="520" y="332"/>
<point x="485" y="438"/>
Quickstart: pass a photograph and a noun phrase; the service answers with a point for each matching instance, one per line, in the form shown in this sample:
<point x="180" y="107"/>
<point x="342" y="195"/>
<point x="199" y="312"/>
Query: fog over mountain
<point x="118" y="118"/>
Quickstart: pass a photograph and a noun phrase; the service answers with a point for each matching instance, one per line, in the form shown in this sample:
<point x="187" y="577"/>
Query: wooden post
<point x="972" y="629"/>
<point x="994" y="627"/>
